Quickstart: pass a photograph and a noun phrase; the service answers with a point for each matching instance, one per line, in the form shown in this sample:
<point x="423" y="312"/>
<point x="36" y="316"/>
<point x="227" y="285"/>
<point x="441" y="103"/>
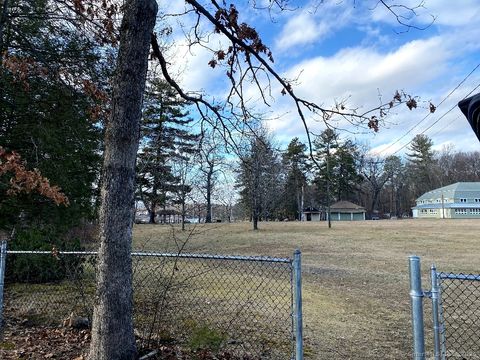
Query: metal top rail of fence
<point x="461" y="276"/>
<point x="249" y="305"/>
<point x="167" y="255"/>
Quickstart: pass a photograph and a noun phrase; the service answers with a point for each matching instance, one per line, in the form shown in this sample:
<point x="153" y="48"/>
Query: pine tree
<point x="165" y="139"/>
<point x="337" y="177"/>
<point x="260" y="180"/>
<point x="46" y="113"/>
<point x="295" y="163"/>
<point x="421" y="165"/>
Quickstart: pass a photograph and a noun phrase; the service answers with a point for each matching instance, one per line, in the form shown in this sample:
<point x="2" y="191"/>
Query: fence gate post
<point x="416" y="297"/>
<point x="3" y="260"/>
<point x="297" y="269"/>
<point x="435" y="313"/>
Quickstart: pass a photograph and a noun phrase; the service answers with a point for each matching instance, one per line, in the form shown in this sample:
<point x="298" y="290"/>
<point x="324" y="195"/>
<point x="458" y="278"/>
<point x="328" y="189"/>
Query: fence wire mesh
<point x="242" y="305"/>
<point x="460" y="316"/>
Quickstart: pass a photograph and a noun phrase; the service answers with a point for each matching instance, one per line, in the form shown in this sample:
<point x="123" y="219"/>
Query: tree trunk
<point x="208" y="217"/>
<point x="183" y="212"/>
<point x="374" y="203"/>
<point x="398" y="206"/>
<point x="152" y="215"/>
<point x="112" y="330"/>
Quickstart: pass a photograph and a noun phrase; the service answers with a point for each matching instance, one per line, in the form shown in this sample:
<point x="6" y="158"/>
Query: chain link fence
<point x="459" y="315"/>
<point x="455" y="306"/>
<point x="241" y="305"/>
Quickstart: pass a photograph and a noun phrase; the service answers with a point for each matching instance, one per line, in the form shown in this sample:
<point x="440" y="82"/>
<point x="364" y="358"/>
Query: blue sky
<point x="356" y="50"/>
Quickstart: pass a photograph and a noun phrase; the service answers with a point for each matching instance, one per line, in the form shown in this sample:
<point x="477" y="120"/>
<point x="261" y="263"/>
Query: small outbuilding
<point x="347" y="211"/>
<point x="312" y="214"/>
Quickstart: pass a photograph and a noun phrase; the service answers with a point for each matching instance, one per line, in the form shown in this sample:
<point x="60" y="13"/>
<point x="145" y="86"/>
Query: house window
<point x="477" y="200"/>
<point x="463" y="200"/>
<point x="475" y="211"/>
<point x="432" y="211"/>
<point x="439" y="200"/>
<point x="423" y="211"/>
<point x="461" y="211"/>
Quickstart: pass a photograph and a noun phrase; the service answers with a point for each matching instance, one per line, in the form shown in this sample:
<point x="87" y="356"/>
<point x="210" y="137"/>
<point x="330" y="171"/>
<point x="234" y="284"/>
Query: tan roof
<point x="346" y="206"/>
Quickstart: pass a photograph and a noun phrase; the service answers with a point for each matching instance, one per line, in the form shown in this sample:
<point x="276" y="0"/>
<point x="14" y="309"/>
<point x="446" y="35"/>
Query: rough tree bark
<point x="112" y="330"/>
<point x="208" y="195"/>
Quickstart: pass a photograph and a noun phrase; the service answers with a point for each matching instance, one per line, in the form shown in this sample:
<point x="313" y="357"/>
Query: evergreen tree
<point x="337" y="176"/>
<point x="421" y="165"/>
<point x="260" y="180"/>
<point x="324" y="145"/>
<point x="295" y="163"/>
<point x="165" y="138"/>
<point x="345" y="171"/>
<point x="47" y="114"/>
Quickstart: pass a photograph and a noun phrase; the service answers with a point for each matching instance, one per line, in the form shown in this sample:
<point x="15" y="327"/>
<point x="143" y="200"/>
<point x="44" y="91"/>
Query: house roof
<point x="346" y="206"/>
<point x="468" y="190"/>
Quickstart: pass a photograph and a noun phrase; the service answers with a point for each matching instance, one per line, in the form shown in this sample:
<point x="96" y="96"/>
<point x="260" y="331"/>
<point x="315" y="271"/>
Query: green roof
<point x="467" y="190"/>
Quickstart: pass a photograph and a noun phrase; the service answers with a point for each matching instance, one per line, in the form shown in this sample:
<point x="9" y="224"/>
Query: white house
<point x="456" y="201"/>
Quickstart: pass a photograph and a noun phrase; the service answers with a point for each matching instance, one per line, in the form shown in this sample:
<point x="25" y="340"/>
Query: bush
<point x="40" y="268"/>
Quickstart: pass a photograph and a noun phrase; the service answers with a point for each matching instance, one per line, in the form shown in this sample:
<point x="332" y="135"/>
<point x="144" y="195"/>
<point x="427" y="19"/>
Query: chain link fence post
<point x="435" y="295"/>
<point x="416" y="297"/>
<point x="297" y="268"/>
<point x="3" y="260"/>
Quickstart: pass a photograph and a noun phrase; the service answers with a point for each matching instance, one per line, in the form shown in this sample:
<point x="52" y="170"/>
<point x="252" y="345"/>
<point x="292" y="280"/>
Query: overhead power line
<point x="440" y="118"/>
<point x="426" y="116"/>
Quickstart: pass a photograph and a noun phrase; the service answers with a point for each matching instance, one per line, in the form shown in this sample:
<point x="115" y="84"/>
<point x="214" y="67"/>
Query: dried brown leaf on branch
<point x="411" y="103"/>
<point x="102" y="15"/>
<point x="373" y="123"/>
<point x="27" y="181"/>
<point x="22" y="68"/>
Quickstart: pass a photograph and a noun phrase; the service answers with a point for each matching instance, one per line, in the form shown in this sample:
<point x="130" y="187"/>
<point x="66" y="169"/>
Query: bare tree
<point x="210" y="162"/>
<point x="376" y="176"/>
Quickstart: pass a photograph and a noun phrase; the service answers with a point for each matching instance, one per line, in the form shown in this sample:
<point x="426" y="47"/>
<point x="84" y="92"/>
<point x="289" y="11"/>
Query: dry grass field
<point x="355" y="287"/>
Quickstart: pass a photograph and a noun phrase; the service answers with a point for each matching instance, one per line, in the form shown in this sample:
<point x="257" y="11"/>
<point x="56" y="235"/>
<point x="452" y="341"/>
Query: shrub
<point x="40" y="268"/>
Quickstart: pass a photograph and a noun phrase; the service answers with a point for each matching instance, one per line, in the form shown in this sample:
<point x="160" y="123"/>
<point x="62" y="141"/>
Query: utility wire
<point x="426" y="116"/>
<point x="440" y="118"/>
<point x="446" y="126"/>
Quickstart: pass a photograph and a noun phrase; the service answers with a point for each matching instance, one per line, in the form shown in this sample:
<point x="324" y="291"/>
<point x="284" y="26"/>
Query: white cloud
<point x="449" y="12"/>
<point x="312" y="24"/>
<point x="444" y="13"/>
<point x="301" y="30"/>
<point x="359" y="72"/>
<point x="429" y="67"/>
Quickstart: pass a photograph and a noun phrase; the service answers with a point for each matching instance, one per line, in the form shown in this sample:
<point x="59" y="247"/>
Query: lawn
<point x="356" y="302"/>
